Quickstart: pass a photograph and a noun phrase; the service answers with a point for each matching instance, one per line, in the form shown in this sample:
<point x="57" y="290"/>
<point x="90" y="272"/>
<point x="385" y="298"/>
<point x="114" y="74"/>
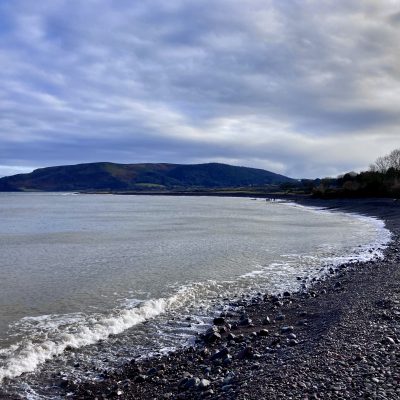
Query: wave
<point x="73" y="331"/>
<point x="28" y="356"/>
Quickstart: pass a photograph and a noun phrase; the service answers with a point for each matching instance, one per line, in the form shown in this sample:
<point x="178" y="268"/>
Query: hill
<point x="118" y="177"/>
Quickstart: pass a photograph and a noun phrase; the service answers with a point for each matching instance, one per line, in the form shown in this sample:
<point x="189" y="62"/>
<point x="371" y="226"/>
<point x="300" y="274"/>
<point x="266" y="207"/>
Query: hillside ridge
<point x="142" y="176"/>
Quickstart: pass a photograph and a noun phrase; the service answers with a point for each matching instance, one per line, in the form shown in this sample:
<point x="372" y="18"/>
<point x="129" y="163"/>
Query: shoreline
<point x="338" y="339"/>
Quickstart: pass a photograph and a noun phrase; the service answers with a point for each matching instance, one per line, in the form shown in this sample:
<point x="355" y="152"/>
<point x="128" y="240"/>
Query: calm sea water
<point x="84" y="272"/>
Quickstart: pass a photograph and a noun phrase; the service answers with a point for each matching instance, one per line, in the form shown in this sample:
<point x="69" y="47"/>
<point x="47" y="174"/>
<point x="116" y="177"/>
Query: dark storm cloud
<point x="302" y="88"/>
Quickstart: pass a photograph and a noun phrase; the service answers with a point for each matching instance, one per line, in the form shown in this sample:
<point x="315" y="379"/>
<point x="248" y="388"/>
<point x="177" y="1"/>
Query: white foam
<point x="253" y="274"/>
<point x="383" y="235"/>
<point x="51" y="322"/>
<point x="363" y="253"/>
<point x="30" y="355"/>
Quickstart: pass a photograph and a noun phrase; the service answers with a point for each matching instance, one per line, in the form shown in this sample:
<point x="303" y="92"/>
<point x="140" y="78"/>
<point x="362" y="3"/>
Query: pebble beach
<point x="339" y="338"/>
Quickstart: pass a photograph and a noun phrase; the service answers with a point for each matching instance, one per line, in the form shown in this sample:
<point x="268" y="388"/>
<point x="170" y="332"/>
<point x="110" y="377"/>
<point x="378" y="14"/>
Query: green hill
<point x="118" y="177"/>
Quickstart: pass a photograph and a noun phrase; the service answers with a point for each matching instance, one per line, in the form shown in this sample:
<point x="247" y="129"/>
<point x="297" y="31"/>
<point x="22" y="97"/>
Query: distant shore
<point x="340" y="339"/>
<point x="210" y="192"/>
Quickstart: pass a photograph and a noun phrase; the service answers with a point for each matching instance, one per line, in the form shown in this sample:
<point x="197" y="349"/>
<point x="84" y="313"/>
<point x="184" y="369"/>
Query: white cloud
<point x="302" y="88"/>
<point x="6" y="170"/>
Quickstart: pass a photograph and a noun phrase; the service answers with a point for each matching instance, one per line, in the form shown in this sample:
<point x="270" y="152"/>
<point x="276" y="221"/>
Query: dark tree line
<point x="382" y="180"/>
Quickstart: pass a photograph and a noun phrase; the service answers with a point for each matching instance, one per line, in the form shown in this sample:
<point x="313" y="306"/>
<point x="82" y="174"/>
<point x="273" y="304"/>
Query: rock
<point x="245" y="322"/>
<point x="287" y="329"/>
<point x="222" y="330"/>
<point x="219" y="321"/>
<point x="140" y="378"/>
<point x="384" y="303"/>
<point x="182" y="382"/>
<point x="247" y="352"/>
<point x="266" y="320"/>
<point x="192" y="383"/>
<point x="263" y="332"/>
<point x="274" y="299"/>
<point x="227" y="360"/>
<point x="212" y="335"/>
<point x="204" y="384"/>
<point x="64" y="383"/>
<point x="228" y="380"/>
<point x="303" y="314"/>
<point x="239" y="338"/>
<point x="388" y="340"/>
<point x="275" y="341"/>
<point x="220" y="354"/>
<point x="209" y="331"/>
<point x="280" y="317"/>
<point x="286" y="294"/>
<point x="126" y="383"/>
<point x="152" y="371"/>
<point x="205" y="352"/>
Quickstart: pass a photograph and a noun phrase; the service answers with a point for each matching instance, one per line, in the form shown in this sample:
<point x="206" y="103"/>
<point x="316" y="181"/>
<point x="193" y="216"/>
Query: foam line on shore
<point x="26" y="356"/>
<point x="384" y="236"/>
<point x="31" y="355"/>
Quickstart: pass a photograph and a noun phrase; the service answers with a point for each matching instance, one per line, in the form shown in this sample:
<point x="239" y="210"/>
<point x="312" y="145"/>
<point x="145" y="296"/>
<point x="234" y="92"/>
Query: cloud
<point x="302" y="88"/>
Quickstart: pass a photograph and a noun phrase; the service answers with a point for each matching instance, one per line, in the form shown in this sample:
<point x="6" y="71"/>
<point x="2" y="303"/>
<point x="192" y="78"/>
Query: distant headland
<point x="381" y="180"/>
<point x="112" y="177"/>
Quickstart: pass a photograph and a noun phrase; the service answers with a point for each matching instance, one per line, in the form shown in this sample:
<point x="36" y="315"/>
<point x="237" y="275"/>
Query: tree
<point x="390" y="161"/>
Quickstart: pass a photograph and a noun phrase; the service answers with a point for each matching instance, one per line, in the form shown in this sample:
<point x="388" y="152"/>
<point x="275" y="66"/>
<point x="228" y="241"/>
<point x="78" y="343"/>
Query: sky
<point x="303" y="88"/>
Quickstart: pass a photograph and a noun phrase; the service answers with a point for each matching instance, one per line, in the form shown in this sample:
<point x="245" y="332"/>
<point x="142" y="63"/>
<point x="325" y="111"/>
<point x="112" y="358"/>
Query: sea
<point x="90" y="281"/>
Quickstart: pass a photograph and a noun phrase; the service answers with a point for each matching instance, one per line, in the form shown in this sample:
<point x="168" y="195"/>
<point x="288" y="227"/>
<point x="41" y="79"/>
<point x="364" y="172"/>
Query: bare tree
<point x="382" y="164"/>
<point x="394" y="159"/>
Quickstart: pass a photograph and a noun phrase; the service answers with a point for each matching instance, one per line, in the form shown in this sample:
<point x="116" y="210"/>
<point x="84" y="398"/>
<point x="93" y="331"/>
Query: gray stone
<point x="192" y="383"/>
<point x="287" y="329"/>
<point x="247" y="352"/>
<point x="204" y="383"/>
<point x="266" y="320"/>
<point x="220" y="354"/>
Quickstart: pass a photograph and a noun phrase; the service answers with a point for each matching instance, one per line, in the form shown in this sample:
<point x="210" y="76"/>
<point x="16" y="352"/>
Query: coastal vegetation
<point x="381" y="180"/>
